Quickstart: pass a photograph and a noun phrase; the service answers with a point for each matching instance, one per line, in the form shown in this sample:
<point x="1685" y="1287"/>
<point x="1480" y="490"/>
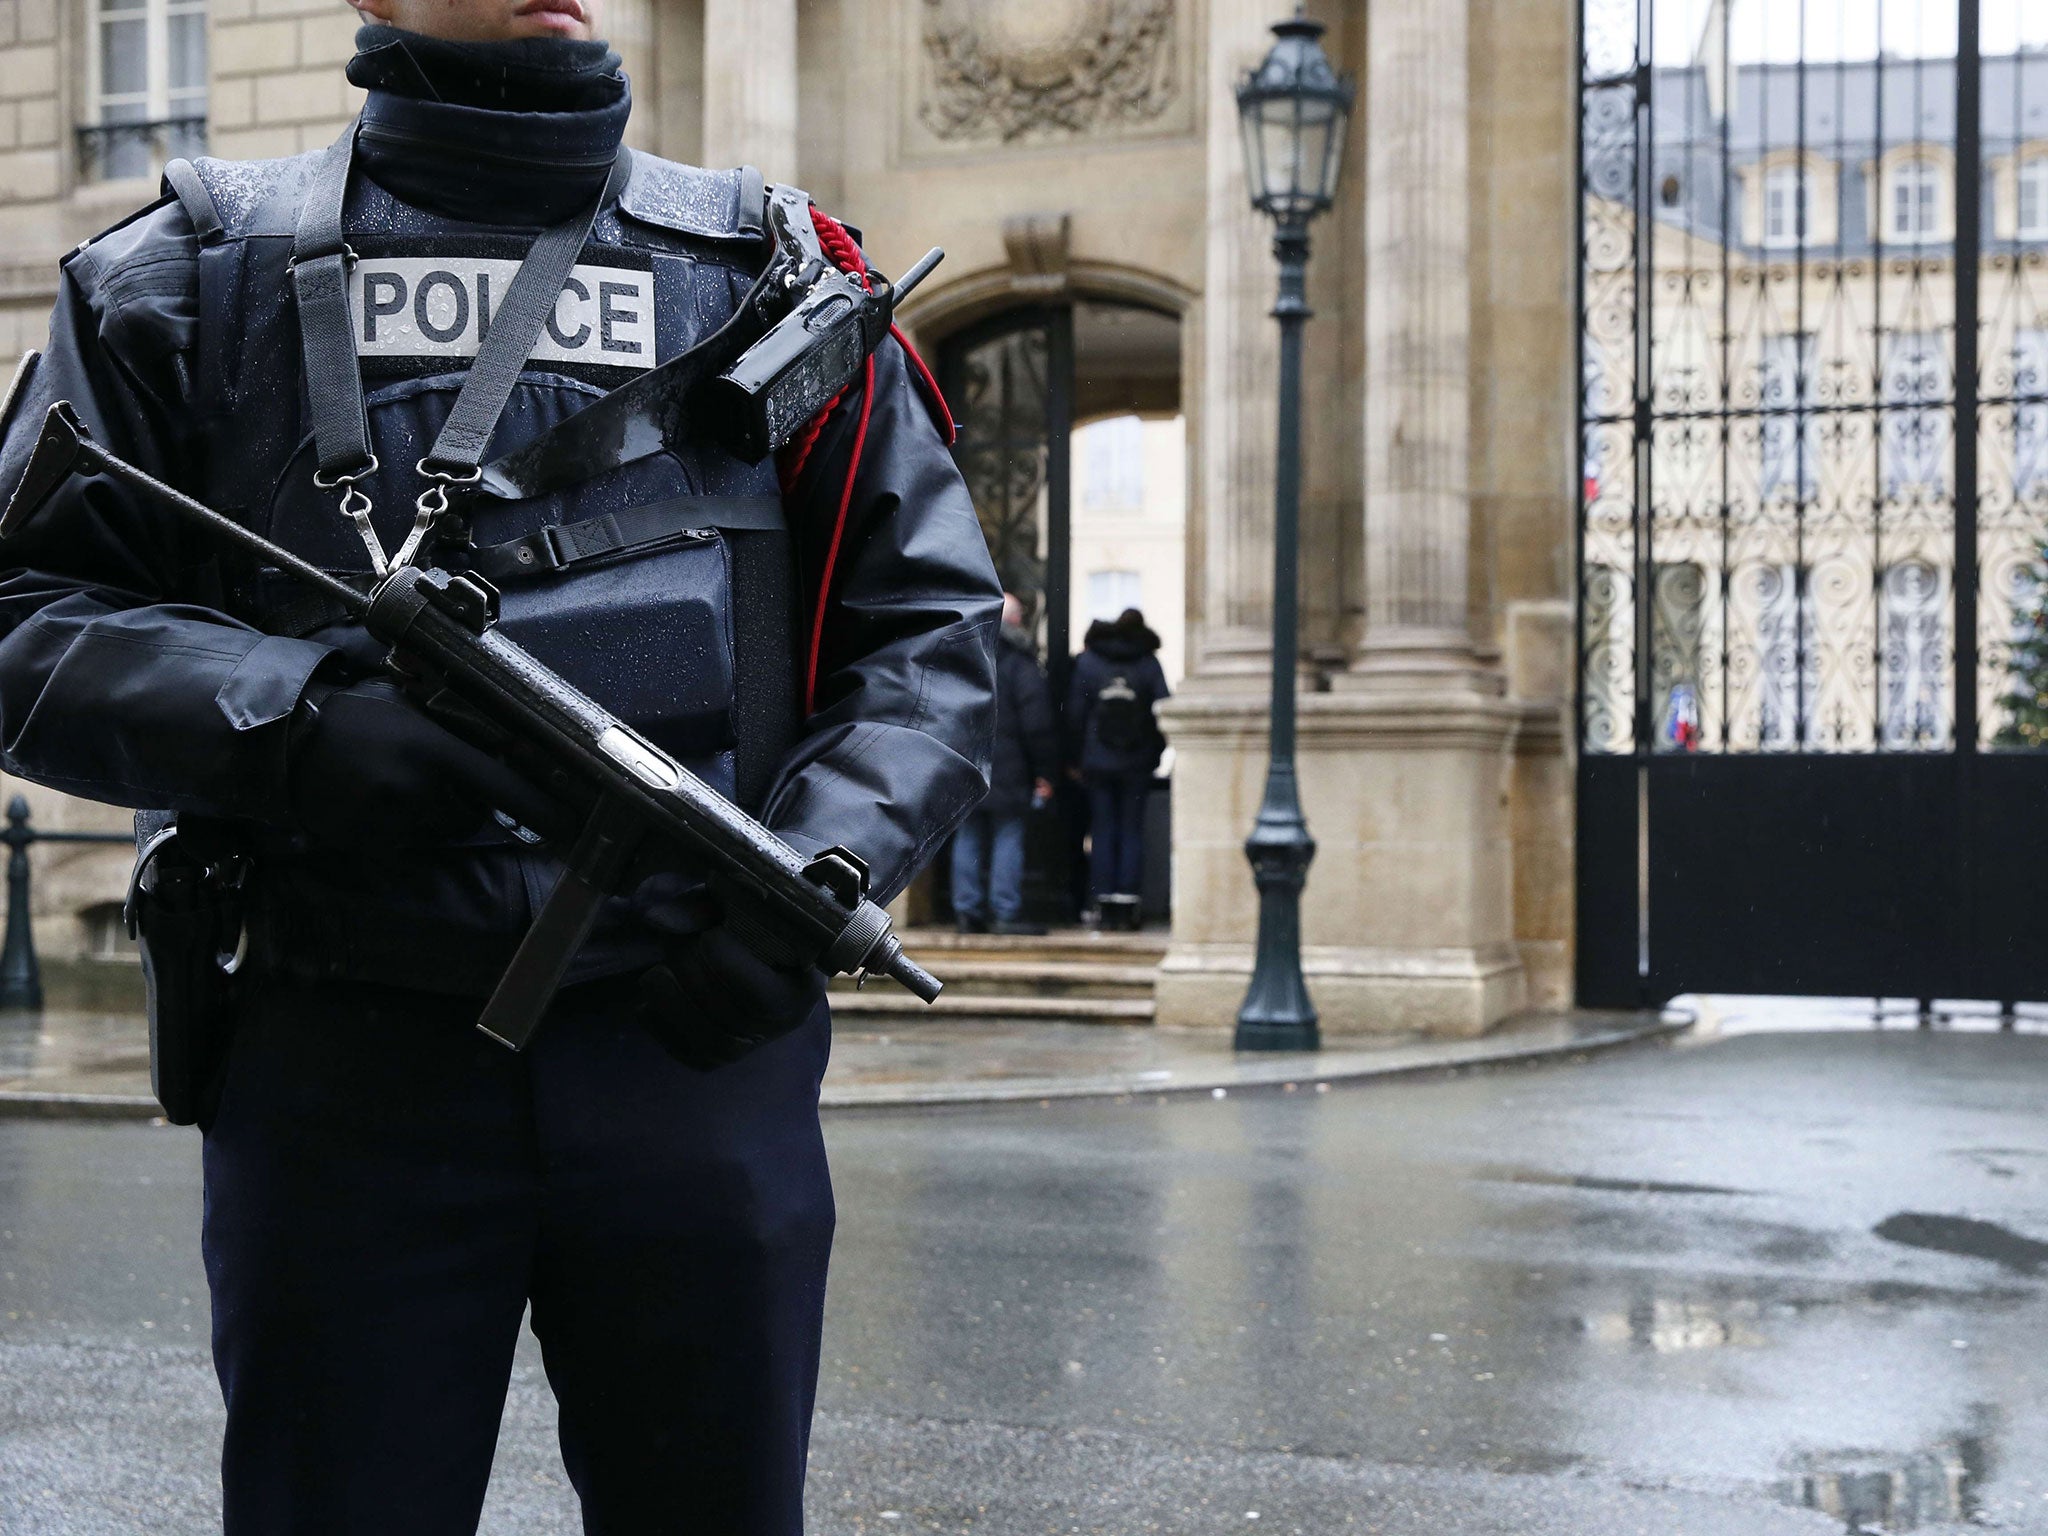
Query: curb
<point x="1227" y="1075"/>
<point x="1315" y="1072"/>
<point x="25" y="1104"/>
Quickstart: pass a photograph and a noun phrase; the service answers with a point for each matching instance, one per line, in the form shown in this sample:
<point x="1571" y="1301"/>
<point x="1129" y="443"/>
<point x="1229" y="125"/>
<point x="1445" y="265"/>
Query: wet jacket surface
<point x="1111" y="651"/>
<point x="135" y="662"/>
<point x="1027" y="739"/>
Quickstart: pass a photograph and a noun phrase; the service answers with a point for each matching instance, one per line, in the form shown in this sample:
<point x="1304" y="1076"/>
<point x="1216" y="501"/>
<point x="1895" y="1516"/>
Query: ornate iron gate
<point x="1813" y="413"/>
<point x="1010" y="381"/>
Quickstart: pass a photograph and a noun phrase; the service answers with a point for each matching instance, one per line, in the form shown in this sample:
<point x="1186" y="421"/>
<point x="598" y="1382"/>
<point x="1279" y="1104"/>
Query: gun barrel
<point x="917" y="981"/>
<point x="916" y="275"/>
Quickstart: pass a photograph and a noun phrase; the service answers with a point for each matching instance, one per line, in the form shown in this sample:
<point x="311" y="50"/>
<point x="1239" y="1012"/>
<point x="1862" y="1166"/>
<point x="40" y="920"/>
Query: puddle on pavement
<point x="1497" y="1173"/>
<point x="1872" y="1492"/>
<point x="1674" y="1327"/>
<point x="1965" y="1236"/>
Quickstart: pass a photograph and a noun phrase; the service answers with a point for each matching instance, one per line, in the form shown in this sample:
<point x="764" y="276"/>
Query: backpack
<point x="1122" y="721"/>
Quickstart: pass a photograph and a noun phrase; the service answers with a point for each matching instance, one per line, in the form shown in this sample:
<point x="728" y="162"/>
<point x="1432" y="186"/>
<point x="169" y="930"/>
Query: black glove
<point x="366" y="768"/>
<point x="712" y="999"/>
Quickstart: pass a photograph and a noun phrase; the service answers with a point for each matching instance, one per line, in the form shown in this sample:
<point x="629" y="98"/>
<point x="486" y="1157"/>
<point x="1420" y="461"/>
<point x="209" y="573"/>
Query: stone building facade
<point x="1080" y="162"/>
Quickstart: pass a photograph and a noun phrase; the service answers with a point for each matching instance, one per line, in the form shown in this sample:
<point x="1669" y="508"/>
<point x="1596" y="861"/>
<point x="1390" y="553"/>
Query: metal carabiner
<point x="356" y="506"/>
<point x="431" y="511"/>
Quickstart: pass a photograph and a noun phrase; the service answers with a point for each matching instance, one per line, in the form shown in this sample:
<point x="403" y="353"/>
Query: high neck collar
<point x="525" y="74"/>
<point x="490" y="133"/>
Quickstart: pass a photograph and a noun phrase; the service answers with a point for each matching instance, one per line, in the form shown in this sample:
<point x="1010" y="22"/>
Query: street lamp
<point x="1293" y="109"/>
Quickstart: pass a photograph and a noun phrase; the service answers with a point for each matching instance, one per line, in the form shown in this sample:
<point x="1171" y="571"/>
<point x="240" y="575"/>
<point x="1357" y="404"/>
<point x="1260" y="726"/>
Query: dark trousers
<point x="988" y="868"/>
<point x="386" y="1190"/>
<point x="1116" y="832"/>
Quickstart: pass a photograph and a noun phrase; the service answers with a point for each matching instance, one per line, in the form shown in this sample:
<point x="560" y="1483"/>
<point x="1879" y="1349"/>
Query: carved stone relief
<point x="1021" y="71"/>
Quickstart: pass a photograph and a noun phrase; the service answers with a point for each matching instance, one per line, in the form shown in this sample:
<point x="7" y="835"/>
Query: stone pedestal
<point x="1407" y="921"/>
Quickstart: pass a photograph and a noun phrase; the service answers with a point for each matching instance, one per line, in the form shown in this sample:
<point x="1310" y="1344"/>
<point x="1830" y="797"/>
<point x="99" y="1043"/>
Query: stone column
<point x="1404" y="762"/>
<point x="1232" y="628"/>
<point x="629" y="27"/>
<point x="750" y="85"/>
<point x="1429" y="834"/>
<point x="1418" y="332"/>
<point x="1232" y="379"/>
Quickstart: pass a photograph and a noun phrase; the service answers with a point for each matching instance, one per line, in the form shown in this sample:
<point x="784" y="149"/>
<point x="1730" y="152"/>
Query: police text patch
<point x="442" y="306"/>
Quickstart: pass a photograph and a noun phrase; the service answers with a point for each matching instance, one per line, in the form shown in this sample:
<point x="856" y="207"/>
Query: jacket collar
<point x="488" y="166"/>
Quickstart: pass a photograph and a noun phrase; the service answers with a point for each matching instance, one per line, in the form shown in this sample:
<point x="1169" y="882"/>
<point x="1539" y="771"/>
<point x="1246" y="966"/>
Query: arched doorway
<point x="1072" y="447"/>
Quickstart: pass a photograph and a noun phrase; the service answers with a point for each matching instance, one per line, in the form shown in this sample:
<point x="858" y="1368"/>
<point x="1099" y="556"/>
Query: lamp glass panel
<point x="1254" y="153"/>
<point x="1280" y="150"/>
<point x="1315" y="157"/>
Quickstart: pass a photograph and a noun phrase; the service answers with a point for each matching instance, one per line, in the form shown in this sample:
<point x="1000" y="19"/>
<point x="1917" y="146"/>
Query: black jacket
<point x="1027" y="743"/>
<point x="1109" y="652"/>
<point x="128" y="675"/>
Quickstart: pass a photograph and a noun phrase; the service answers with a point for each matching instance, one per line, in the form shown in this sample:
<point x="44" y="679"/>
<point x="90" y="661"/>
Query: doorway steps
<point x="1070" y="976"/>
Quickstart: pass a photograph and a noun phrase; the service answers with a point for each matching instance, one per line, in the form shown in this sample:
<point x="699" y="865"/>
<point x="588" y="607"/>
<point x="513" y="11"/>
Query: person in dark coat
<point x="388" y="1194"/>
<point x="1117" y="682"/>
<point x="988" y="850"/>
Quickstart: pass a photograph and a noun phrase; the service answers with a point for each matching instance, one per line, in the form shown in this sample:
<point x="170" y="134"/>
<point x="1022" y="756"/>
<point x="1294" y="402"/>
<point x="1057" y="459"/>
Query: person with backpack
<point x="988" y="850"/>
<point x="1117" y="682"/>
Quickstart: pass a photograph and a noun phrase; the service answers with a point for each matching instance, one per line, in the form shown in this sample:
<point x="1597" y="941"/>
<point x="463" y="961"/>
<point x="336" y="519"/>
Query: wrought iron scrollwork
<point x="1769" y="412"/>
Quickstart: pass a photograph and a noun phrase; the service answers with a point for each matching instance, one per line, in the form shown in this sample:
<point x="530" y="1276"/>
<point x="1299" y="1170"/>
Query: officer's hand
<point x="367" y="769"/>
<point x="712" y="999"/>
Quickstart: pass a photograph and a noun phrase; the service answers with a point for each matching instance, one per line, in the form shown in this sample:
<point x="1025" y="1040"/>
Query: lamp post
<point x="1293" y="110"/>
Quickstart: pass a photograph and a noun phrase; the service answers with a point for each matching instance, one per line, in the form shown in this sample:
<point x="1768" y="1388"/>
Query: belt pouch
<point x="185" y="916"/>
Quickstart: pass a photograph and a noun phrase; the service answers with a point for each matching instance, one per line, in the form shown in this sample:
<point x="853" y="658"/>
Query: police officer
<point x="306" y="344"/>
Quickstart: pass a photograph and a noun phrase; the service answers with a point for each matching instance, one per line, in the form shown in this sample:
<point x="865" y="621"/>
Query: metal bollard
<point x="21" y="981"/>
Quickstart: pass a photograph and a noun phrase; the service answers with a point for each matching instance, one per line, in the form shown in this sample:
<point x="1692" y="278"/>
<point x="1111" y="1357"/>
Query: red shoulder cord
<point x="845" y="255"/>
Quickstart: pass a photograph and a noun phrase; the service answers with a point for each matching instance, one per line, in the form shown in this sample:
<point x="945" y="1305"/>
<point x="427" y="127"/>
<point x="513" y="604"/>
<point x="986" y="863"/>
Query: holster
<point x="184" y="909"/>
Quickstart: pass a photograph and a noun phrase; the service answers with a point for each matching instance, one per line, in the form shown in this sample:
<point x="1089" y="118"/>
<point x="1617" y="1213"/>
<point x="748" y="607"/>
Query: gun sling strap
<point x="334" y="381"/>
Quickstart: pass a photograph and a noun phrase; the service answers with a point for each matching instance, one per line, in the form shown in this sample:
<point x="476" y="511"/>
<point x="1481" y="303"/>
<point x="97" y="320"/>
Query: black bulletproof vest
<point x="682" y="628"/>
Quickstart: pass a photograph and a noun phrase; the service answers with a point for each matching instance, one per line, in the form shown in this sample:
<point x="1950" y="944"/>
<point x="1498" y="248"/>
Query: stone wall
<point x="275" y="82"/>
<point x="1523" y="477"/>
<point x="35" y="157"/>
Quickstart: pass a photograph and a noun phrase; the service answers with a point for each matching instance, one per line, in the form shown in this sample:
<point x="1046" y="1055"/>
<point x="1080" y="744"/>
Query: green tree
<point x="2025" y="699"/>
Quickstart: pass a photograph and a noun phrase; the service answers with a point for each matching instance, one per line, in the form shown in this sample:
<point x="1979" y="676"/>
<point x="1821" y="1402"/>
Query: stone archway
<point x="1074" y="448"/>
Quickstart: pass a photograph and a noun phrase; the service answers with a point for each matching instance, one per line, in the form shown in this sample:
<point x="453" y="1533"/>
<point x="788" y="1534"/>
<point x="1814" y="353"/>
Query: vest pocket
<point x="648" y="636"/>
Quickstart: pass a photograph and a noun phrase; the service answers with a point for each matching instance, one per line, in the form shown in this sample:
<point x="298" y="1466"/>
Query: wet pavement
<point x="72" y="1063"/>
<point x="1736" y="1286"/>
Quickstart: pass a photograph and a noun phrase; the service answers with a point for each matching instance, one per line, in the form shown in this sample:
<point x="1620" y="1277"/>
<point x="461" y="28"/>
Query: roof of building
<point x="1845" y="112"/>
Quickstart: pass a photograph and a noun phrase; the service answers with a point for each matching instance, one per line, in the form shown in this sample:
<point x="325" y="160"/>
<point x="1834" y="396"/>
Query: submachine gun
<point x="630" y="801"/>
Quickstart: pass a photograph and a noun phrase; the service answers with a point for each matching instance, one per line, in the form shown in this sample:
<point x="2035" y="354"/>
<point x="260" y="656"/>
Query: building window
<point x="1113" y="465"/>
<point x="1784" y="206"/>
<point x="2033" y="198"/>
<point x="1677" y="619"/>
<point x="1913" y="431"/>
<point x="1914" y="212"/>
<point x="1912" y="609"/>
<point x="1111" y="592"/>
<point x="2030" y="412"/>
<point x="1790" y="442"/>
<point x="149" y="87"/>
<point x="1788" y="663"/>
